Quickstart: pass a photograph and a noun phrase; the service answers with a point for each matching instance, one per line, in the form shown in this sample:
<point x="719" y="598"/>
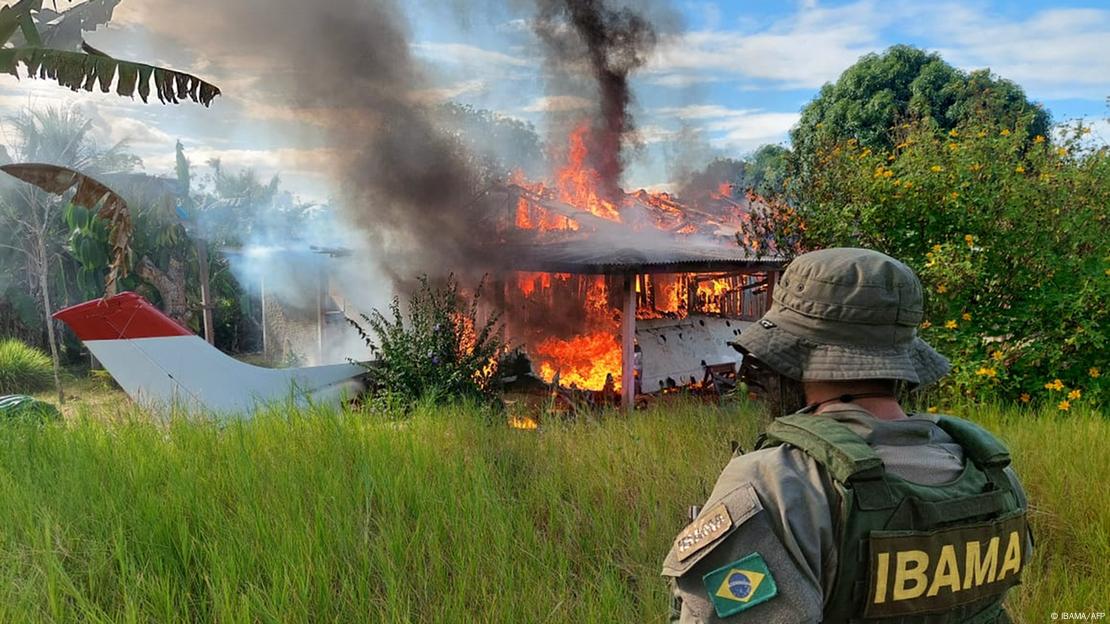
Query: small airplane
<point x="162" y="365"/>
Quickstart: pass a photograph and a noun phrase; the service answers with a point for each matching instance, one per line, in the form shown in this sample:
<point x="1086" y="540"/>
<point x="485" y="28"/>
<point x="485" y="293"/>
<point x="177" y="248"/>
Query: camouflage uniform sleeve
<point x="779" y="510"/>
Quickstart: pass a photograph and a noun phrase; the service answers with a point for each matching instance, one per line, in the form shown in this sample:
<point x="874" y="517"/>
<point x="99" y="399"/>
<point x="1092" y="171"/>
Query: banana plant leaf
<point x="63" y="30"/>
<point x="91" y="69"/>
<point x="91" y="195"/>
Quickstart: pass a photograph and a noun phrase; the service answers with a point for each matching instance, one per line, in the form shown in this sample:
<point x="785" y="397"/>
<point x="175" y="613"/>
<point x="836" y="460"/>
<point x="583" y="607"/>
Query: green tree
<point x="33" y="218"/>
<point x="1009" y="233"/>
<point x="767" y="170"/>
<point x="902" y="85"/>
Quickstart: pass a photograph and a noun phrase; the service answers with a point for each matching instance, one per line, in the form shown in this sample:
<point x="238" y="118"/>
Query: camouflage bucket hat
<point x="845" y="314"/>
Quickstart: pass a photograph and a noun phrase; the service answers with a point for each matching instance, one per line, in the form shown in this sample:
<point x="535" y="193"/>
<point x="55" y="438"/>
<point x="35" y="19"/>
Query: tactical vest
<point x="912" y="553"/>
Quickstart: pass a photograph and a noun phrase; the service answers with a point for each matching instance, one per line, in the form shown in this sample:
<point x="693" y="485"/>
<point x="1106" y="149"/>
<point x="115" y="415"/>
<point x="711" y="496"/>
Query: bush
<point x="444" y="352"/>
<point x="23" y="369"/>
<point x="1008" y="233"/>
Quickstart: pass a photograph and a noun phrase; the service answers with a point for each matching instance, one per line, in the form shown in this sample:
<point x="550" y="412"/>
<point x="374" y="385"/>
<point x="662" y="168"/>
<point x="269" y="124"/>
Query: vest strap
<point x="925" y="515"/>
<point x="844" y="454"/>
<point x="983" y="448"/>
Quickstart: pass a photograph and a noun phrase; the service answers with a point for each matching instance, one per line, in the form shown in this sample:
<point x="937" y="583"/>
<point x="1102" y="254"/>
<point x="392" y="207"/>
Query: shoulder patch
<point x="720" y="519"/>
<point x="740" y="585"/>
<point x="702" y="531"/>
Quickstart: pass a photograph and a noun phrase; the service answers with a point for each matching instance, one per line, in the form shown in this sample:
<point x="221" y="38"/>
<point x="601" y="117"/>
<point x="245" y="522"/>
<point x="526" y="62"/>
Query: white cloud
<point x="1054" y="53"/>
<point x="462" y="53"/>
<point x="681" y="80"/>
<point x="702" y="111"/>
<point x="451" y="91"/>
<point x="654" y="134"/>
<point x="137" y="133"/>
<point x="264" y="161"/>
<point x="557" y="104"/>
<point x="750" y="130"/>
<point x="807" y="49"/>
<point x="735" y="129"/>
<point x="1057" y="53"/>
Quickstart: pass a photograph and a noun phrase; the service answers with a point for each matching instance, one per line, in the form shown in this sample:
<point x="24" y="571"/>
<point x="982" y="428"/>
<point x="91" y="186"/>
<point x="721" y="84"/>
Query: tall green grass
<point x="444" y="517"/>
<point x="23" y="369"/>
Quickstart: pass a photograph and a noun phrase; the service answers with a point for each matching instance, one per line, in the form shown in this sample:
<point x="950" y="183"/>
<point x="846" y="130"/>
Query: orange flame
<point x="587" y="361"/>
<point x="711" y="292"/>
<point x="523" y="422"/>
<point x="577" y="182"/>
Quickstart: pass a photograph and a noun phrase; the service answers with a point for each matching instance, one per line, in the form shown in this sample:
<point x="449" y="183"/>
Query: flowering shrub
<point x="1009" y="235"/>
<point x="442" y="352"/>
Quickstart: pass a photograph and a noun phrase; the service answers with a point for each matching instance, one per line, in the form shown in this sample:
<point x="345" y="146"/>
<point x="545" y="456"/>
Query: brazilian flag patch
<point x="740" y="585"/>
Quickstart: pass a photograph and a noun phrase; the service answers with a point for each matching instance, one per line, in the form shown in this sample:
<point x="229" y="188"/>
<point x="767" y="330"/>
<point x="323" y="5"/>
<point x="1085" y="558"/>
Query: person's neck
<point x="880" y="402"/>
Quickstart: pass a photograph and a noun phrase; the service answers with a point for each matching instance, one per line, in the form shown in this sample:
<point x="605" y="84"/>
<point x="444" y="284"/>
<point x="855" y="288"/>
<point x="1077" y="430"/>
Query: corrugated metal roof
<point x="588" y="255"/>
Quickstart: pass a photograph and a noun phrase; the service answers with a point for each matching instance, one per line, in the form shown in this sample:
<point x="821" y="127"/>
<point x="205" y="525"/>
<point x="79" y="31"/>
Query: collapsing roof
<point x="597" y="257"/>
<point x="656" y="235"/>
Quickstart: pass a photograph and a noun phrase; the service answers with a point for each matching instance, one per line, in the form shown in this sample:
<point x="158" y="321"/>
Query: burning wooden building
<point x="637" y="293"/>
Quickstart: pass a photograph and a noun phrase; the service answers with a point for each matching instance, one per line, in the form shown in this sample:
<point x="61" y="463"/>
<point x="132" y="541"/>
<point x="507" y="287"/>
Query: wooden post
<point x="321" y="313"/>
<point x="628" y="344"/>
<point x="205" y="294"/>
<point x="265" y="331"/>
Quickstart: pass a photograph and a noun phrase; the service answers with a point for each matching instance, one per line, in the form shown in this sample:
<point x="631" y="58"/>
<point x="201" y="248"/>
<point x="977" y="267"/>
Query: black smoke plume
<point x="346" y="67"/>
<point x="616" y="41"/>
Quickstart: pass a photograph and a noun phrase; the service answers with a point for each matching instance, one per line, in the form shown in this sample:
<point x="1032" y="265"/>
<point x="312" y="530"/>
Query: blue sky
<point x="726" y="76"/>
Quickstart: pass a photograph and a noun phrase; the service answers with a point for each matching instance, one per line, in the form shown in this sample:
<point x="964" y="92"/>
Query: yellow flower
<point x="866" y="152"/>
<point x="1061" y="151"/>
<point x="985" y="371"/>
<point x="1075" y="394"/>
<point x="975" y="167"/>
<point x="910" y="184"/>
<point x="1064" y="405"/>
<point x="888" y="173"/>
<point x="942" y="289"/>
<point x="1056" y="385"/>
<point x="953" y="146"/>
<point x="954" y="195"/>
<point x="1038" y="139"/>
<point x="1094" y="372"/>
<point x="953" y="133"/>
<point x="936" y="168"/>
<point x="951" y="324"/>
<point x="1025" y="398"/>
<point x="966" y="316"/>
<point x="981" y="134"/>
<point x="1019" y="169"/>
<point x="932" y="410"/>
<point x="896" y="182"/>
<point x="936" y="248"/>
<point x="998" y="356"/>
<point x="1005" y="132"/>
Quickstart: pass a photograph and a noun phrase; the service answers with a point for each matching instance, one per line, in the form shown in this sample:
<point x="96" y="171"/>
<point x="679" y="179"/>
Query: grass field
<point x="447" y="516"/>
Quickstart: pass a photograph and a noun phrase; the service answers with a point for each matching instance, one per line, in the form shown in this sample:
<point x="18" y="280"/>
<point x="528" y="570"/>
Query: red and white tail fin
<point x="161" y="364"/>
